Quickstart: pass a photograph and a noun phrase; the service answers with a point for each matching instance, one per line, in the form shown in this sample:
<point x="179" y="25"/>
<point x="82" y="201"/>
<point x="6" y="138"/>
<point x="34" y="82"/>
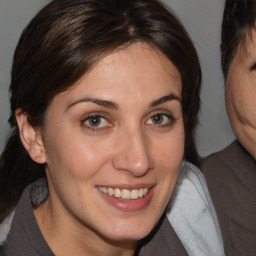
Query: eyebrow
<point x="112" y="105"/>
<point x="100" y="102"/>
<point x="164" y="99"/>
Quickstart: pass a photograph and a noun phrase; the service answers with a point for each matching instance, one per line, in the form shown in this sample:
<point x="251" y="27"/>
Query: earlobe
<point x="31" y="137"/>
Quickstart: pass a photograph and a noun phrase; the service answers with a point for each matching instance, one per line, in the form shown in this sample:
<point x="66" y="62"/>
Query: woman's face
<point x="114" y="143"/>
<point x="241" y="93"/>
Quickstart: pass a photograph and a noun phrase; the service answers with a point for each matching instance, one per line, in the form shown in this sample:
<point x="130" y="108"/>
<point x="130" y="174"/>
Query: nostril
<point x="133" y="154"/>
<point x="133" y="163"/>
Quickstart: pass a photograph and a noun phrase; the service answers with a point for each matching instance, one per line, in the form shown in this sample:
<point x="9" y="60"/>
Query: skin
<point x="126" y="148"/>
<point x="241" y="93"/>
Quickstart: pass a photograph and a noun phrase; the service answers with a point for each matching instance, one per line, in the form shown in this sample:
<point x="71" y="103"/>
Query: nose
<point x="133" y="154"/>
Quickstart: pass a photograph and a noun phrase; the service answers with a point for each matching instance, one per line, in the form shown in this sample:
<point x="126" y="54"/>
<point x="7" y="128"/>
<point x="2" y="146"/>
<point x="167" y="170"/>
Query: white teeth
<point x="110" y="191"/>
<point x="141" y="192"/>
<point x="134" y="194"/>
<point x="124" y="193"/>
<point x="117" y="192"/>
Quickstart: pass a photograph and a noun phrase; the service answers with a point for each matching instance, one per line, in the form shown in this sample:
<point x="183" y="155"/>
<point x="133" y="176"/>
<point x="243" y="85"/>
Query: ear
<point x="31" y="138"/>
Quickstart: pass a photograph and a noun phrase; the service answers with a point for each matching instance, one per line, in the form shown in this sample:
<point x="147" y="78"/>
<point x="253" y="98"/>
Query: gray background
<point x="202" y="19"/>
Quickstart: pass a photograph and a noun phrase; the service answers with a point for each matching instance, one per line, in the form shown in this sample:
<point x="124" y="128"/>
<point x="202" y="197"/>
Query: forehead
<point x="137" y="67"/>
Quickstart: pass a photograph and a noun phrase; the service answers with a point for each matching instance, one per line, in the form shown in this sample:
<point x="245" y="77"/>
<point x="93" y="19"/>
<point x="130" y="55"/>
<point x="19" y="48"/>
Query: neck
<point x="57" y="233"/>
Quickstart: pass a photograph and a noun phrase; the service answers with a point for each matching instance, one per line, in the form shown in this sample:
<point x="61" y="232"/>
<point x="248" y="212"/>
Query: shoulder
<point x="34" y="194"/>
<point x="190" y="188"/>
<point x="5" y="227"/>
<point x="229" y="166"/>
<point x="226" y="157"/>
<point x="190" y="174"/>
<point x="162" y="241"/>
<point x="231" y="179"/>
<point x="190" y="184"/>
<point x="192" y="215"/>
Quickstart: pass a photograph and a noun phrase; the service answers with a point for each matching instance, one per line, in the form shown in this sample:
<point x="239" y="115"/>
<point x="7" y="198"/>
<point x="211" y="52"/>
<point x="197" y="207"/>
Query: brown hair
<point x="238" y="18"/>
<point x="62" y="42"/>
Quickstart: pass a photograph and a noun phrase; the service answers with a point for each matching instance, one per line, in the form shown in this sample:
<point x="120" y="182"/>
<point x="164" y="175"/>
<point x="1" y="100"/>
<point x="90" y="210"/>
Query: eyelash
<point x="168" y="118"/>
<point x="253" y="67"/>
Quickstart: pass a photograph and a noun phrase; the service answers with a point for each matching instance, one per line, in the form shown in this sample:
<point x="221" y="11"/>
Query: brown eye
<point x="157" y="119"/>
<point x="160" y="119"/>
<point x="96" y="121"/>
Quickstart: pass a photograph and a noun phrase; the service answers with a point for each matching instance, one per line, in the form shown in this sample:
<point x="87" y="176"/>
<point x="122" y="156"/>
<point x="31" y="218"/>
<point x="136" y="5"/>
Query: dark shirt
<point x="231" y="178"/>
<point x="26" y="239"/>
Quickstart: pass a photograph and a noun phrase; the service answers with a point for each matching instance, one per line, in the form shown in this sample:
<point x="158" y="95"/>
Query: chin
<point x="127" y="232"/>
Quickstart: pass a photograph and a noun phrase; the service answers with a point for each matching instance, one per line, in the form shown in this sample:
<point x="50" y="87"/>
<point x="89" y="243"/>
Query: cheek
<point x="168" y="157"/>
<point x="169" y="153"/>
<point x="73" y="156"/>
<point x="172" y="148"/>
<point x="240" y="99"/>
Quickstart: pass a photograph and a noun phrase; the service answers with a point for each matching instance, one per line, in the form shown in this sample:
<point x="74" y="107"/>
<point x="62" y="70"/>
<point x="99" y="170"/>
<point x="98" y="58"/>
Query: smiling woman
<point x="104" y="101"/>
<point x="115" y="152"/>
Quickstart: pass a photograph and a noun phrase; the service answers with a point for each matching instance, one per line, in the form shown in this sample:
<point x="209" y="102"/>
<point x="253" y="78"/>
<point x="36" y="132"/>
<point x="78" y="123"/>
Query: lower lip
<point x="129" y="205"/>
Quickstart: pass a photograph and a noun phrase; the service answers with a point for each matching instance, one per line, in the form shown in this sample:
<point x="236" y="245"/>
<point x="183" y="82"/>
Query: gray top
<point x="192" y="214"/>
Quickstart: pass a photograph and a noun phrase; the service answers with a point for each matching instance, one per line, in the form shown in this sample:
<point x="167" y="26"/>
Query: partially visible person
<point x="104" y="102"/>
<point x="231" y="173"/>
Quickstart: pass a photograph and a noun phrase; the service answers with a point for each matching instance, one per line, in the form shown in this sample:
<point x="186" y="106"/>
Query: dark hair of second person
<point x="238" y="19"/>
